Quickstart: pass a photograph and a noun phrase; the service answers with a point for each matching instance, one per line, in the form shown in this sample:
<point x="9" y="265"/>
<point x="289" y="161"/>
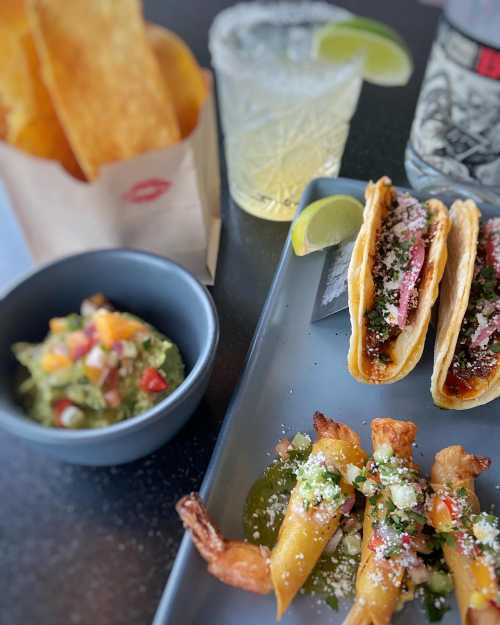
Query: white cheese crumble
<point x="485" y="531"/>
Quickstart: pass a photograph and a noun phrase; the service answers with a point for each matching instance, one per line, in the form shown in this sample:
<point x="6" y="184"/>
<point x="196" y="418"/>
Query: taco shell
<point x="454" y="299"/>
<point x="406" y="349"/>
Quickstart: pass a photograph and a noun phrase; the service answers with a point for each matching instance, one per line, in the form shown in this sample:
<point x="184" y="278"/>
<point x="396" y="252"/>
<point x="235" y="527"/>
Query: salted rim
<point x="225" y="57"/>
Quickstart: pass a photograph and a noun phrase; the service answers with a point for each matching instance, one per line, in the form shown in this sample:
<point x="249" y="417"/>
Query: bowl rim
<point x="31" y="430"/>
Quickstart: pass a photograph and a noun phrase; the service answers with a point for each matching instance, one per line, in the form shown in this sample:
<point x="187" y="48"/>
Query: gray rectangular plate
<point x="294" y="368"/>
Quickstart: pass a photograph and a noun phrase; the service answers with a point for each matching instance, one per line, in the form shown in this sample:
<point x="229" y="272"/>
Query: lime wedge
<point x="387" y="60"/>
<point x="326" y="222"/>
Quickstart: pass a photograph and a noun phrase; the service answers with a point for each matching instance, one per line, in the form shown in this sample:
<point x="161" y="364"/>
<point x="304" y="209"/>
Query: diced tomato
<point x="152" y="381"/>
<point x="405" y="539"/>
<point x="111" y="381"/>
<point x="60" y="405"/>
<point x="442" y="513"/>
<point x="79" y="344"/>
<point x="376" y="541"/>
<point x="449" y="502"/>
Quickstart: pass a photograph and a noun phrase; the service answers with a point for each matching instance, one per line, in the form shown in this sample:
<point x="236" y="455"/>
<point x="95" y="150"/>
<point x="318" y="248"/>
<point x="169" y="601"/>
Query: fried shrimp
<point x="233" y="562"/>
<point x="387" y="554"/>
<point x="320" y="499"/>
<point x="472" y="553"/>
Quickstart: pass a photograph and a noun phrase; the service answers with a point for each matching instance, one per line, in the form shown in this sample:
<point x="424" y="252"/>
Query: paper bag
<point x="167" y="202"/>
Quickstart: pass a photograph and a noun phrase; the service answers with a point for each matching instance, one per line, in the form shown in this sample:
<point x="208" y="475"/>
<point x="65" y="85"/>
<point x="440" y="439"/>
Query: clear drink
<point x="285" y="114"/>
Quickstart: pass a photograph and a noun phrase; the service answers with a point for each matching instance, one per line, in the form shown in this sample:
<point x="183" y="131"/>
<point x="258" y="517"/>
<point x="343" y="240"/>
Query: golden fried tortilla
<point x="181" y="72"/>
<point x="103" y="78"/>
<point x="28" y="120"/>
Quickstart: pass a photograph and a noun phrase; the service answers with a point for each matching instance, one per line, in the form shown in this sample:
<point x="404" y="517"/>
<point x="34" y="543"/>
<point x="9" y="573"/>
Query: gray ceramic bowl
<point x="154" y="288"/>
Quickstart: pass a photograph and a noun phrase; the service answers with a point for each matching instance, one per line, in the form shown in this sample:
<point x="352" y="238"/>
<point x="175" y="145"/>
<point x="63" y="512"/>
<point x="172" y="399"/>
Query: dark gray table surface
<point x="94" y="546"/>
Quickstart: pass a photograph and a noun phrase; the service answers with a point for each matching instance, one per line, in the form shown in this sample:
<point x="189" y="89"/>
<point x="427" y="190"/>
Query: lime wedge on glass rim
<point x="326" y="222"/>
<point x="387" y="60"/>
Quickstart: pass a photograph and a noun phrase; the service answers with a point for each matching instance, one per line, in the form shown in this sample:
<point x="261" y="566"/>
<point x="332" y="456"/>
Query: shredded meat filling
<point x="400" y="253"/>
<point x="478" y="345"/>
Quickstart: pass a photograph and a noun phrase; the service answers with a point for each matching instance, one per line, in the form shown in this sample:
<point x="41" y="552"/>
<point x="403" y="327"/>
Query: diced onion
<point x="351" y="473"/>
<point x="404" y="496"/>
<point x="71" y="417"/>
<point x="383" y="453"/>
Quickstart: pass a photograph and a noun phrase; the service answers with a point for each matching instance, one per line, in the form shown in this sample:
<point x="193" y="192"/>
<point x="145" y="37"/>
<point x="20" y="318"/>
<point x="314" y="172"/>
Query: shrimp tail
<point x="399" y="434"/>
<point x="453" y="464"/>
<point x="205" y="535"/>
<point x="233" y="562"/>
<point x="327" y="428"/>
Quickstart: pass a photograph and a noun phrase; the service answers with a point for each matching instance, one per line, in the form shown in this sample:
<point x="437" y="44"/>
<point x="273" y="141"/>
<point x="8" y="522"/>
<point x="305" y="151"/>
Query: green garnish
<point x="434" y="604"/>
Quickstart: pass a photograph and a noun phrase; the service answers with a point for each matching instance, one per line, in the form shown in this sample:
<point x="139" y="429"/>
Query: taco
<point x="396" y="266"/>
<point x="467" y="352"/>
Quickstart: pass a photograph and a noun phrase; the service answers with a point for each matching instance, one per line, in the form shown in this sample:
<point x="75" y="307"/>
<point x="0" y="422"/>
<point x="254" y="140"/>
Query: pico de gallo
<point x="96" y="368"/>
<point x="473" y="535"/>
<point x="401" y="541"/>
<point x="400" y="253"/>
<point x="478" y="346"/>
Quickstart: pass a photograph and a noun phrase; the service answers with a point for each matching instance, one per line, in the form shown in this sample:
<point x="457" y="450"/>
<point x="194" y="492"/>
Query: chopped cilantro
<point x="487" y="283"/>
<point x="419" y="518"/>
<point x="434" y="604"/>
<point x="74" y="322"/>
<point x="390" y="505"/>
<point x="333" y="602"/>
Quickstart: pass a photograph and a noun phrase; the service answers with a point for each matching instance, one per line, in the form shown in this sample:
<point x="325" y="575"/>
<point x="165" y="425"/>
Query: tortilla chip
<point x="28" y="120"/>
<point x="454" y="299"/>
<point x="104" y="79"/>
<point x="3" y="121"/>
<point x="406" y="349"/>
<point x="182" y="74"/>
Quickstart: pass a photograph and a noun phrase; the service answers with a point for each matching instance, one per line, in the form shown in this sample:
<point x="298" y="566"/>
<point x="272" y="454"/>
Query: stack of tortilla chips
<point x="88" y="82"/>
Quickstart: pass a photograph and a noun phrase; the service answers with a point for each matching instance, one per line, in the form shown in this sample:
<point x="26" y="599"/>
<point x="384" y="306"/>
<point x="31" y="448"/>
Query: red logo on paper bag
<point x="147" y="190"/>
<point x="488" y="63"/>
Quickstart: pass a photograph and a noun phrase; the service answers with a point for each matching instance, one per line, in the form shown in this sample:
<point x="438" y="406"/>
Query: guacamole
<point x="96" y="368"/>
